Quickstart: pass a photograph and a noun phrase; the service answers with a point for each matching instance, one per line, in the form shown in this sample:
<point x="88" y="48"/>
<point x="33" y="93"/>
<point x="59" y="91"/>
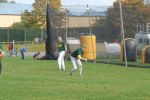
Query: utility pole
<point x="122" y="32"/>
<point x="25" y="37"/>
<point x="67" y="25"/>
<point x="88" y="11"/>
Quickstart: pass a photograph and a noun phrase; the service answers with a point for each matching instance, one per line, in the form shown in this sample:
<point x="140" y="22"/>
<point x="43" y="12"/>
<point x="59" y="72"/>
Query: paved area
<point x="32" y="53"/>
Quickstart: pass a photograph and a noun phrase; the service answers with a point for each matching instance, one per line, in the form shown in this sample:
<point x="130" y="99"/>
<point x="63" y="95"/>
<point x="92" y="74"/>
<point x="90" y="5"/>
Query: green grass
<point x="117" y="61"/>
<point x="40" y="80"/>
<point x="31" y="47"/>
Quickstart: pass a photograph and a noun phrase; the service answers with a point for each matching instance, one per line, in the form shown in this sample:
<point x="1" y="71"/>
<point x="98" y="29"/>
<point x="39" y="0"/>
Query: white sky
<point x="23" y="1"/>
<point x="74" y="2"/>
<point x="89" y="2"/>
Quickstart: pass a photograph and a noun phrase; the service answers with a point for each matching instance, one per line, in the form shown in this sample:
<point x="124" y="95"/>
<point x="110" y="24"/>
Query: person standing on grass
<point x="1" y="56"/>
<point x="76" y="57"/>
<point x="22" y="51"/>
<point x="61" y="53"/>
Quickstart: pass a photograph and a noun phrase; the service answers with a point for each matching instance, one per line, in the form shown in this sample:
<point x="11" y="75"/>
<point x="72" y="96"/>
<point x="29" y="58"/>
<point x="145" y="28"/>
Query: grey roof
<point x="14" y="9"/>
<point x="81" y="10"/>
<point x="77" y="10"/>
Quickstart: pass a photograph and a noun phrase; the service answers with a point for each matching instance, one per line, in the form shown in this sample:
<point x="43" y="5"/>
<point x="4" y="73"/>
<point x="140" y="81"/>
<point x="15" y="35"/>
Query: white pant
<point x="74" y="62"/>
<point x="61" y="64"/>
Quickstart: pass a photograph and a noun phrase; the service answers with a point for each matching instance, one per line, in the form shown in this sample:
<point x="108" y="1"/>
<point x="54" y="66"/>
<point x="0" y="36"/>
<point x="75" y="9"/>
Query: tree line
<point x="134" y="12"/>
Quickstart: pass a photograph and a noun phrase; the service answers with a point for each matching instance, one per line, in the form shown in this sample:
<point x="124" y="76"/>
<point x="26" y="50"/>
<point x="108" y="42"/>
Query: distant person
<point x="15" y="51"/>
<point x="37" y="40"/>
<point x="10" y="48"/>
<point x="61" y="53"/>
<point x="1" y="56"/>
<point x="76" y="56"/>
<point x="36" y="56"/>
<point x="22" y="51"/>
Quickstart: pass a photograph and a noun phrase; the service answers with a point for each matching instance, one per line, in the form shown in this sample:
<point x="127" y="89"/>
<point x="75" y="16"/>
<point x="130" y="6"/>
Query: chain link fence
<point x="8" y="35"/>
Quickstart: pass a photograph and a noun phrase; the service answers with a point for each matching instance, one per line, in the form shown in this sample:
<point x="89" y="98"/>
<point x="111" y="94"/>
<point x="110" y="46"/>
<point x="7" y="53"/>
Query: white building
<point x="11" y="13"/>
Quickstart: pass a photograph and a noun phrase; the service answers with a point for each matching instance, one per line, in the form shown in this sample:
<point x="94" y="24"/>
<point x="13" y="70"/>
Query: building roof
<point x="81" y="10"/>
<point x="74" y="10"/>
<point x="14" y="9"/>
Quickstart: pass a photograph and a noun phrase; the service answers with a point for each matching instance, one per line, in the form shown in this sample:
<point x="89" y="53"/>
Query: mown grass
<point x="31" y="47"/>
<point x="40" y="80"/>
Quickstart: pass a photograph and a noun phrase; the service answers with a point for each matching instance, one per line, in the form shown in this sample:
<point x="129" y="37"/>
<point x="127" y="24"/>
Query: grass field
<point x="31" y="47"/>
<point x="40" y="80"/>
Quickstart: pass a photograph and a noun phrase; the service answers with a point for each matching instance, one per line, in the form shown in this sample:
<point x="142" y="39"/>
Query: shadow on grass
<point x="118" y="62"/>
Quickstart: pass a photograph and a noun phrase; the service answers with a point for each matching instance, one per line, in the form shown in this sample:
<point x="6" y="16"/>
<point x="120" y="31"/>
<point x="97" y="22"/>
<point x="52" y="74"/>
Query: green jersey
<point x="77" y="52"/>
<point x="61" y="46"/>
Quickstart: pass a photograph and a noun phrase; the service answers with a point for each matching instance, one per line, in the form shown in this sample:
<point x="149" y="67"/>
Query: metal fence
<point x="8" y="35"/>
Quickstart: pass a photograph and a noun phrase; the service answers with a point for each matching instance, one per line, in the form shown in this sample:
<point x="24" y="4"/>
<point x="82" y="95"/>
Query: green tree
<point x="39" y="7"/>
<point x="36" y="18"/>
<point x="29" y="20"/>
<point x="18" y="25"/>
<point x="134" y="11"/>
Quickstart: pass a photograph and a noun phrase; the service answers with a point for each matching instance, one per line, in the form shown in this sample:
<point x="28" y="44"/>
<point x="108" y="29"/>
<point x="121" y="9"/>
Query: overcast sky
<point x="74" y="2"/>
<point x="23" y="1"/>
<point x="90" y="2"/>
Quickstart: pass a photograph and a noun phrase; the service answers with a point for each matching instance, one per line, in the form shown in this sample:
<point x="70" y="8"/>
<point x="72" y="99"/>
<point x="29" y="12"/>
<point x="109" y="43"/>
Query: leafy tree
<point x="29" y="20"/>
<point x="133" y="12"/>
<point x="18" y="25"/>
<point x="36" y="18"/>
<point x="39" y="7"/>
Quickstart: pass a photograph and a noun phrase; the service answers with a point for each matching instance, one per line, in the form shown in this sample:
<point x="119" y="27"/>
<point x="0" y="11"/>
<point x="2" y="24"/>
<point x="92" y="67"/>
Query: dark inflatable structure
<point x="50" y="45"/>
<point x="131" y="51"/>
<point x="146" y="54"/>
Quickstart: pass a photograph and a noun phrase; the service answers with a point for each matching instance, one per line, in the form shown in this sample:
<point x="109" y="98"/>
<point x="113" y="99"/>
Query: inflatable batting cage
<point x="131" y="51"/>
<point x="146" y="54"/>
<point x="89" y="41"/>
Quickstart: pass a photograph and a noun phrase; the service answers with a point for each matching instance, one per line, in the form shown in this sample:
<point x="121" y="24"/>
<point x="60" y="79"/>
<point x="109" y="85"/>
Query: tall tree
<point x="133" y="12"/>
<point x="29" y="19"/>
<point x="39" y="7"/>
<point x="36" y="18"/>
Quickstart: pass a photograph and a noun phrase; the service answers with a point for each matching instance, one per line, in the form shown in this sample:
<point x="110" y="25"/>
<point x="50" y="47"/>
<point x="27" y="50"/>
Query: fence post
<point x="8" y="35"/>
<point x="18" y="44"/>
<point x="32" y="43"/>
<point x="25" y="37"/>
<point x="42" y="33"/>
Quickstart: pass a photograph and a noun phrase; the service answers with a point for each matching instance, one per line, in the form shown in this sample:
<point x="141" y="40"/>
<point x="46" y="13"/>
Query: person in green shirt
<point x="61" y="53"/>
<point x="1" y="56"/>
<point x="76" y="57"/>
